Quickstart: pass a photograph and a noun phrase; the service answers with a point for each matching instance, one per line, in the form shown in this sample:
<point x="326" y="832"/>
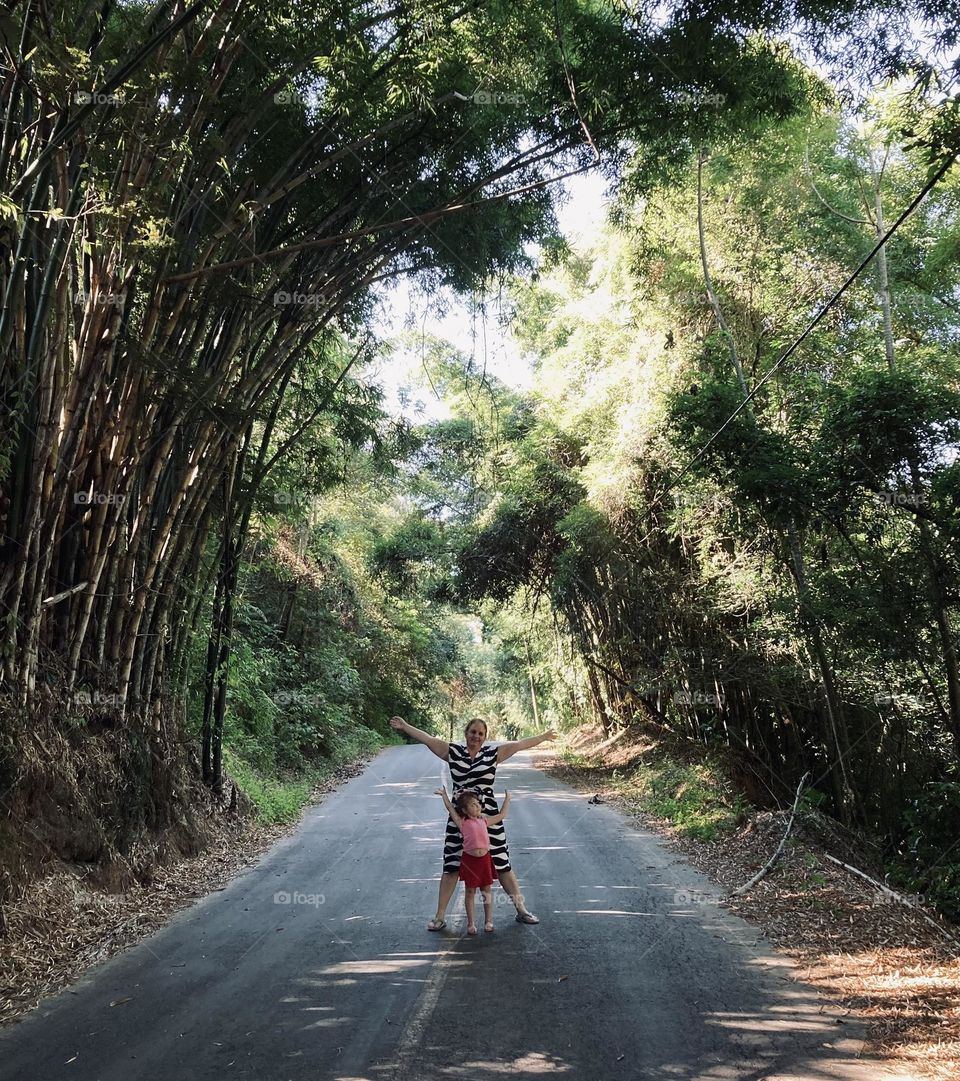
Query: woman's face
<point x="476" y="734"/>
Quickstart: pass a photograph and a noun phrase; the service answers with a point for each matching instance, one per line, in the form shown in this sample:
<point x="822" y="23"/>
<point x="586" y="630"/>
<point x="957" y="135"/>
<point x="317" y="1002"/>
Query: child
<point x="476" y="864"/>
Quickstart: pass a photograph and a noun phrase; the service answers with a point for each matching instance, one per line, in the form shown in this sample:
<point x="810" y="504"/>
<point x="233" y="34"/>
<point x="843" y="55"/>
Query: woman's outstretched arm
<point x="505" y="750"/>
<point x="440" y="747"/>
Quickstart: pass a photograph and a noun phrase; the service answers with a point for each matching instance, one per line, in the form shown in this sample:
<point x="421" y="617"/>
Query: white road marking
<point x="412" y="1036"/>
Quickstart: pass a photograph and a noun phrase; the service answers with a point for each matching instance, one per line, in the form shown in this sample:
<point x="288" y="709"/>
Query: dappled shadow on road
<point x="531" y="1003"/>
<point x="632" y="974"/>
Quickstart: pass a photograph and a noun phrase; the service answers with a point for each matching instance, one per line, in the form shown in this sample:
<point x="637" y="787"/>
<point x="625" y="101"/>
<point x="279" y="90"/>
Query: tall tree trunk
<point x="533" y="688"/>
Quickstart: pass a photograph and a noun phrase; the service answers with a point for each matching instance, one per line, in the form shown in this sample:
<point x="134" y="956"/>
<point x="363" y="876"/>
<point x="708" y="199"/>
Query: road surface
<point x="315" y="964"/>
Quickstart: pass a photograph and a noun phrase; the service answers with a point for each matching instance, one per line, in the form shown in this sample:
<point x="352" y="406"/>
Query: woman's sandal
<point x="471" y="930"/>
<point x="527" y="917"/>
<point x="488" y="927"/>
<point x="436" y="925"/>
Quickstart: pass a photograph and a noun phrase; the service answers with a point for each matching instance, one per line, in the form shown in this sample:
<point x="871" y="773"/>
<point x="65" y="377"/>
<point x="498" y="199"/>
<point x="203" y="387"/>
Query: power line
<point x="918" y="199"/>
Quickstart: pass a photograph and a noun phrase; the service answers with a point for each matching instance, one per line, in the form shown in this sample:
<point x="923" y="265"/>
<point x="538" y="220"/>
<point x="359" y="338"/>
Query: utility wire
<point x="924" y="191"/>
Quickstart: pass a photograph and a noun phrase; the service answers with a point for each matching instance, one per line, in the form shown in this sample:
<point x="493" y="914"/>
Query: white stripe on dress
<point x="479" y="773"/>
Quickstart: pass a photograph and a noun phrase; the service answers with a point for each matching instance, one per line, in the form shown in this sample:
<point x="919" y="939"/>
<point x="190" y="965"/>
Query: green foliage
<point x="795" y="592"/>
<point x="412" y="556"/>
<point x="883" y="420"/>
<point x="522" y="535"/>
<point x="694" y="798"/>
<point x="920" y="861"/>
<point x="276" y="799"/>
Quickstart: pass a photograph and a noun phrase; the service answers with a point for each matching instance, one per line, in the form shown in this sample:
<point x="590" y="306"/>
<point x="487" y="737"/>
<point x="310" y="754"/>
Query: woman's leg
<point x="509" y="882"/>
<point x="448" y="886"/>
<point x="470" y="897"/>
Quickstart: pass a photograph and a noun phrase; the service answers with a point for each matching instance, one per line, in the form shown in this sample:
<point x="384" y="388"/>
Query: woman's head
<point x="468" y="805"/>
<point x="475" y="732"/>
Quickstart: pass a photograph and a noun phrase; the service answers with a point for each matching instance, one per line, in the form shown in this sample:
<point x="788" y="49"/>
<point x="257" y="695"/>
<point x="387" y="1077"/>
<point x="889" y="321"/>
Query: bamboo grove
<point x="191" y="220"/>
<point x="199" y="203"/>
<point x="199" y="199"/>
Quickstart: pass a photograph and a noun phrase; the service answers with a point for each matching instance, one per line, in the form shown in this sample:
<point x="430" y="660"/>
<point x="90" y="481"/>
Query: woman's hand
<point x="507" y="750"/>
<point x="440" y="747"/>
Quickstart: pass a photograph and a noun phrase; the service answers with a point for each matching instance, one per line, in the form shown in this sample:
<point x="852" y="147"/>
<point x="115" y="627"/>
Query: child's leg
<point x="469" y="898"/>
<point x="487" y="908"/>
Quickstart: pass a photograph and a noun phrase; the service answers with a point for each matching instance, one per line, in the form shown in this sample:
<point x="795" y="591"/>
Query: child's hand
<point x="440" y="792"/>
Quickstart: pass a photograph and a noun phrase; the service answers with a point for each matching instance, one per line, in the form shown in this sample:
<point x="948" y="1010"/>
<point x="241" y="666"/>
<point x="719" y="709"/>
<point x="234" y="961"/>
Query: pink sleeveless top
<point x="475" y="834"/>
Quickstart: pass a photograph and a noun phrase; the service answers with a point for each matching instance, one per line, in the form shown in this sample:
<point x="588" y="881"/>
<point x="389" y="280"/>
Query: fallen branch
<point x="783" y="840"/>
<point x="899" y="897"/>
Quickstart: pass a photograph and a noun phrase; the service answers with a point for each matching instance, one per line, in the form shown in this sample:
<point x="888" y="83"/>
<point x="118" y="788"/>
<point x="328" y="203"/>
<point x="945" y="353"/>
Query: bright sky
<point x="483" y="336"/>
<point x="472" y="333"/>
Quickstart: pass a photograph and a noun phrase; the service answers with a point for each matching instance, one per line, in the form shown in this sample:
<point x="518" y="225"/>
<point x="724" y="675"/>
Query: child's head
<point x="468" y="805"/>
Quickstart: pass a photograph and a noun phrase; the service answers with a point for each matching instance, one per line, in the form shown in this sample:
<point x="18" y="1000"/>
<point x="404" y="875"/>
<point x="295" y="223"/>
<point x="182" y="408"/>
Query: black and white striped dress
<point x="478" y="773"/>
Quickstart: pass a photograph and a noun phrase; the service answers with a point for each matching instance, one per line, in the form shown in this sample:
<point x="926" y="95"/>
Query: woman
<point x="474" y="765"/>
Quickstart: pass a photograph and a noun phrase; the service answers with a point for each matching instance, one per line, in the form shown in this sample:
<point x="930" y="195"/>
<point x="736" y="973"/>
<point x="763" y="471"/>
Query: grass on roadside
<point x="276" y="799"/>
<point x="696" y="798"/>
<point x="280" y="797"/>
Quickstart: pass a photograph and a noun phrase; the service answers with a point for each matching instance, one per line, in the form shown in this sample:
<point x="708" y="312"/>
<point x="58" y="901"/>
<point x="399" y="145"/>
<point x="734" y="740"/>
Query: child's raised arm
<point x="497" y="818"/>
<point x="449" y="806"/>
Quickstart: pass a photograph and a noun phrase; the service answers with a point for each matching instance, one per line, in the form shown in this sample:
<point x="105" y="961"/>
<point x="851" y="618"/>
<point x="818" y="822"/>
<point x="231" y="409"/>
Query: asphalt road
<point x="315" y="963"/>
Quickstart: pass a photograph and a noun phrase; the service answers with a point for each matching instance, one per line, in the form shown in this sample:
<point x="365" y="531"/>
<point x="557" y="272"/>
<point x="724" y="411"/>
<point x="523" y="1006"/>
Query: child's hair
<point x="461" y="801"/>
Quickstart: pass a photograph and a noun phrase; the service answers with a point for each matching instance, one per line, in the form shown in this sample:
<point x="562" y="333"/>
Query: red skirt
<point x="477" y="872"/>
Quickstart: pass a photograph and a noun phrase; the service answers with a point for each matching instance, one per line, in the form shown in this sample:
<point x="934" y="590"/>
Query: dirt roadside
<point x="878" y="958"/>
<point x="59" y="926"/>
